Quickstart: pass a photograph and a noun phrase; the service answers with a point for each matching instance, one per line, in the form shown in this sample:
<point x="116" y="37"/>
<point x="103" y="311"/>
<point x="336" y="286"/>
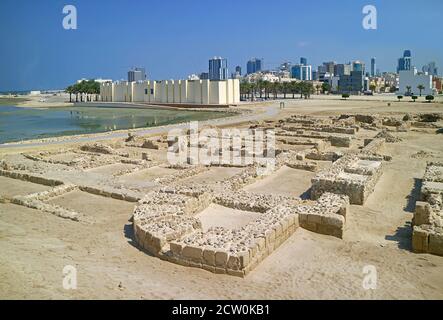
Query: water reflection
<point x="24" y="123"/>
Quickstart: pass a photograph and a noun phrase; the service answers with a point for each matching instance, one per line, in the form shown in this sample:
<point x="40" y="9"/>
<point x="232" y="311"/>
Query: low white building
<point x="413" y="79"/>
<point x="203" y="92"/>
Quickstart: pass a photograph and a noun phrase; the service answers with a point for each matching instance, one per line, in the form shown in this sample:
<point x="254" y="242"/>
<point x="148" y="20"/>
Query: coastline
<point x="240" y="115"/>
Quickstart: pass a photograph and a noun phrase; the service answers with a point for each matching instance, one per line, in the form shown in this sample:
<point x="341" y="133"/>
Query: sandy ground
<point x="36" y="246"/>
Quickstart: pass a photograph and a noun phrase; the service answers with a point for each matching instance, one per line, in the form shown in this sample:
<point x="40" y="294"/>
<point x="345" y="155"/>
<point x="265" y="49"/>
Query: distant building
<point x="404" y="63"/>
<point x="285" y="66"/>
<point x="353" y="83"/>
<point x="438" y="84"/>
<point x="373" y="68"/>
<point x="193" y="77"/>
<point x="431" y="68"/>
<point x="315" y="75"/>
<point x="390" y="79"/>
<point x="171" y="92"/>
<point x="238" y="70"/>
<point x="204" y="75"/>
<point x="358" y="66"/>
<point x="218" y="68"/>
<point x="136" y="74"/>
<point x="254" y="65"/>
<point x="334" y="82"/>
<point x="413" y="79"/>
<point x="301" y="72"/>
<point x="342" y="69"/>
<point x="303" y="61"/>
<point x="330" y="67"/>
<point x="325" y="77"/>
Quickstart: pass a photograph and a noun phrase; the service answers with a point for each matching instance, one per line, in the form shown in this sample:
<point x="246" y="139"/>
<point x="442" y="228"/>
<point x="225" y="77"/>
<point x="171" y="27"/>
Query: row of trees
<point x="264" y="89"/>
<point x="428" y="98"/>
<point x="85" y="87"/>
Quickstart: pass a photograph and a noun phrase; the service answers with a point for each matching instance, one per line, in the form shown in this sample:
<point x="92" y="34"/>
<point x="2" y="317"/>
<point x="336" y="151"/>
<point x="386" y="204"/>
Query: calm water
<point x="24" y="123"/>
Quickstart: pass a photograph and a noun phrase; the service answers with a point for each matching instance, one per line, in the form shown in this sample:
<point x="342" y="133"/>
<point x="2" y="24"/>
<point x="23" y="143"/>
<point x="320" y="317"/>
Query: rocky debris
<point x="422" y="155"/>
<point x="131" y="137"/>
<point x="102" y="149"/>
<point x="392" y="122"/>
<point x="364" y="118"/>
<point x="390" y="138"/>
<point x="149" y="144"/>
<point x="430" y="117"/>
<point x="303" y="165"/>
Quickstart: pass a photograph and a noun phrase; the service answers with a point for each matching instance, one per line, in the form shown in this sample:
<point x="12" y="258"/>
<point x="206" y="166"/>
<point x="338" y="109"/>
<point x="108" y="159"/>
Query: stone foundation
<point x="427" y="235"/>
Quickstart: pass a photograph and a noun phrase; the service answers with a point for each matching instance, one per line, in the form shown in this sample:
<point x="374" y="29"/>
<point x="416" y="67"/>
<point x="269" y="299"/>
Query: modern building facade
<point x="329" y="67"/>
<point x="353" y="83"/>
<point x="373" y="68"/>
<point x="303" y="61"/>
<point x="218" y="68"/>
<point x="431" y="68"/>
<point x="358" y="66"/>
<point x="254" y="65"/>
<point x="200" y="92"/>
<point x="136" y="74"/>
<point x="404" y="63"/>
<point x="342" y="69"/>
<point x="301" y="72"/>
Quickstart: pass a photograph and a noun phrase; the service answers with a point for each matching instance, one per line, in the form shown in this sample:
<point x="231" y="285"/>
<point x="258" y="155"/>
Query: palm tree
<point x="244" y="87"/>
<point x="285" y="86"/>
<point x="372" y="87"/>
<point x="318" y="87"/>
<point x="70" y="90"/>
<point x="326" y="87"/>
<point x="266" y="87"/>
<point x="420" y="88"/>
<point x="260" y="87"/>
<point x="275" y="88"/>
<point x="408" y="90"/>
<point x="293" y="88"/>
<point x="307" y="89"/>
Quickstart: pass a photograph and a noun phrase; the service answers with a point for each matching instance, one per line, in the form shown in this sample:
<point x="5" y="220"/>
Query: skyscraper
<point x="218" y="68"/>
<point x="358" y="66"/>
<point x="342" y="69"/>
<point x="136" y="74"/>
<point x="330" y="67"/>
<point x="303" y="61"/>
<point x="254" y="65"/>
<point x="238" y="70"/>
<point x="431" y="69"/>
<point x="404" y="63"/>
<point x="373" y="68"/>
<point x="301" y="72"/>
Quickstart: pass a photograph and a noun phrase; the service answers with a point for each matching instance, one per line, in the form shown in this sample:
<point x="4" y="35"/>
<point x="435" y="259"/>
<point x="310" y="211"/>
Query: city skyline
<point x="40" y="54"/>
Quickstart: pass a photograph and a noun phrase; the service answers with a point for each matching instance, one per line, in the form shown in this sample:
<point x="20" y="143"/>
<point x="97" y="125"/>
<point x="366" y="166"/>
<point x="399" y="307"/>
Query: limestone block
<point x="420" y="240"/>
<point x="436" y="243"/>
<point x="422" y="213"/>
<point x="209" y="257"/>
<point x="221" y="259"/>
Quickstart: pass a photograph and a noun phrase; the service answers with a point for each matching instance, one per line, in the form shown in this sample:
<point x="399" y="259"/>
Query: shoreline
<point x="239" y="116"/>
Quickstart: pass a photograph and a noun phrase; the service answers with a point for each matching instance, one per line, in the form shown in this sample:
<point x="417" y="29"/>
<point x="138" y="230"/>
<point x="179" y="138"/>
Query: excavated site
<point x="230" y="218"/>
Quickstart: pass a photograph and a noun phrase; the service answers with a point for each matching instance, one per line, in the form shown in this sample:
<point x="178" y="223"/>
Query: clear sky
<point x="174" y="38"/>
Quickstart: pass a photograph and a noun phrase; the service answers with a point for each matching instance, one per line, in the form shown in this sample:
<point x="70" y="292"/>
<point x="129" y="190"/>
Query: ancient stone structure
<point x="427" y="236"/>
<point x="351" y="175"/>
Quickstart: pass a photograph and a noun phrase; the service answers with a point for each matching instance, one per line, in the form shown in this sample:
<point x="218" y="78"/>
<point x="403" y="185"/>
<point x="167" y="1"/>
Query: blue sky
<point x="175" y="38"/>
